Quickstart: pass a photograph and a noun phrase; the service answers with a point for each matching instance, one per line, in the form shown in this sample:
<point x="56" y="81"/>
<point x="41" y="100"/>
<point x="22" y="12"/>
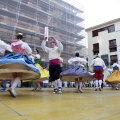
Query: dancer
<point x="44" y="72"/>
<point x="17" y="65"/>
<point x="99" y="66"/>
<point x="78" y="61"/>
<point x="54" y="62"/>
<point x="77" y="72"/>
<point x="36" y="60"/>
<point x="114" y="78"/>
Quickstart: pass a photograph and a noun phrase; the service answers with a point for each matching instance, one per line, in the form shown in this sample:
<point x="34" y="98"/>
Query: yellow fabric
<point x="44" y="73"/>
<point x="114" y="77"/>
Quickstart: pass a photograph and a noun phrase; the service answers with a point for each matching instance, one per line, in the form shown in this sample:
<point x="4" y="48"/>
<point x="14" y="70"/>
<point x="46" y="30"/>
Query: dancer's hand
<point x="45" y="38"/>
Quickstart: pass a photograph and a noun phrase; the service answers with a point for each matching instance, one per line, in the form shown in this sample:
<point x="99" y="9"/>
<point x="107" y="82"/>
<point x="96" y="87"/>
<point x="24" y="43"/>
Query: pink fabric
<point x="17" y="48"/>
<point x="54" y="62"/>
<point x="98" y="74"/>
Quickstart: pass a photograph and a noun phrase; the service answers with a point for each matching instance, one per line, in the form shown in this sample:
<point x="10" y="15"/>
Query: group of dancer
<point x="21" y="56"/>
<point x="22" y="64"/>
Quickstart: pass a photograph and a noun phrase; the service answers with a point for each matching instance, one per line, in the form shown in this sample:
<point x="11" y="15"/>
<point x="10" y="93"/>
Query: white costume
<point x="78" y="61"/>
<point x="54" y="62"/>
<point x="54" y="53"/>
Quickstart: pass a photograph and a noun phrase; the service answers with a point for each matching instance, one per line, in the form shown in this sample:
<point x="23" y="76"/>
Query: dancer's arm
<point x="5" y="46"/>
<point x="104" y="66"/>
<point x="27" y="48"/>
<point x="60" y="46"/>
<point x="44" y="47"/>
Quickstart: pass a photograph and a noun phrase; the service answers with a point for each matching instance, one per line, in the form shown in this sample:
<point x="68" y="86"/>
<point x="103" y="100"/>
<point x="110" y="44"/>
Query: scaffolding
<point x="64" y="20"/>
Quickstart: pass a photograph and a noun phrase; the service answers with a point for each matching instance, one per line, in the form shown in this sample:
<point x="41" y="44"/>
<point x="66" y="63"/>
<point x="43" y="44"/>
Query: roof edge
<point x="102" y="24"/>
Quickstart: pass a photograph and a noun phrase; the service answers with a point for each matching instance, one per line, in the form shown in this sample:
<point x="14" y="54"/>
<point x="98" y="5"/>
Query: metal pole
<point x="17" y="17"/>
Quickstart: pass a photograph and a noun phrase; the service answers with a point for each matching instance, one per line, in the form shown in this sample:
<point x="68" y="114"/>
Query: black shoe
<point x="55" y="90"/>
<point x="96" y="89"/>
<point x="100" y="89"/>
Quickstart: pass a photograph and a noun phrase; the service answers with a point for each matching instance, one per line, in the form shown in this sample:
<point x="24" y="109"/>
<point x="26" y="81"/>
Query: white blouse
<point x="4" y="46"/>
<point x="77" y="59"/>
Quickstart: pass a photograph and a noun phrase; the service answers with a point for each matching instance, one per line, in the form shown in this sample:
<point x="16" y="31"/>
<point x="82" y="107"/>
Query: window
<point x="95" y="48"/>
<point x="106" y="59"/>
<point x="110" y="29"/>
<point x="113" y="58"/>
<point x="112" y="45"/>
<point x="95" y="33"/>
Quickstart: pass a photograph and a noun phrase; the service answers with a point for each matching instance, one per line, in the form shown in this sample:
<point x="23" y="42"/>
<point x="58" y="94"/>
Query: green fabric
<point x="37" y="61"/>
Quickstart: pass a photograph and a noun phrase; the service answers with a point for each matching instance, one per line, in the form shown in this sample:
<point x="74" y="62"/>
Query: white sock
<point x="12" y="82"/>
<point x="80" y="85"/>
<point x="77" y="85"/>
<point x="55" y="84"/>
<point x="96" y="83"/>
<point x="100" y="83"/>
<point x="59" y="83"/>
<point x="15" y="83"/>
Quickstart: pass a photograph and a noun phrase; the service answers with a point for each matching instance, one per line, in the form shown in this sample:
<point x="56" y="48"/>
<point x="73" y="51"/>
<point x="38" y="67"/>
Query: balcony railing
<point x="112" y="46"/>
<point x="95" y="49"/>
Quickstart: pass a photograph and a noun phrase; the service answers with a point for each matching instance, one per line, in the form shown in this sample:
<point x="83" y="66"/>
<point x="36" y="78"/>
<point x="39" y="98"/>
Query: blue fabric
<point x="16" y="58"/>
<point x="62" y="69"/>
<point x="98" y="68"/>
<point x="4" y="83"/>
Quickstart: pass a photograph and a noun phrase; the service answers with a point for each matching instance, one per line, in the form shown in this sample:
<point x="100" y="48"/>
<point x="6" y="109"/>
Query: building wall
<point x="103" y="40"/>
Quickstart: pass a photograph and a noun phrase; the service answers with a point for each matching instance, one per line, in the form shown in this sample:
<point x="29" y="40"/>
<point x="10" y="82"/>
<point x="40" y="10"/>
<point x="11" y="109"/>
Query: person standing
<point x="98" y="66"/>
<point x="54" y="53"/>
<point x="36" y="60"/>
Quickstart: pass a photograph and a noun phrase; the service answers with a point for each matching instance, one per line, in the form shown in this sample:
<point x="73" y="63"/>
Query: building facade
<point x="104" y="39"/>
<point x="64" y="20"/>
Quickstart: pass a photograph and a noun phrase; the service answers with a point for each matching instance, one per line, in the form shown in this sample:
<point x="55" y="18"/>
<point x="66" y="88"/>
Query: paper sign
<point x="46" y="33"/>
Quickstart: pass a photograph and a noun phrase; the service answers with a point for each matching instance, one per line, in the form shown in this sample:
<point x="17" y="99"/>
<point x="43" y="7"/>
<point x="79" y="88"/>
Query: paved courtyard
<point x="70" y="105"/>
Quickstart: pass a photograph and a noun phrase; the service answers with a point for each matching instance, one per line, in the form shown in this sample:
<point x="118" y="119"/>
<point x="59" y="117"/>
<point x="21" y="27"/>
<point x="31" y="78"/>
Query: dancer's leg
<point x="13" y="86"/>
<point x="59" y="83"/>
